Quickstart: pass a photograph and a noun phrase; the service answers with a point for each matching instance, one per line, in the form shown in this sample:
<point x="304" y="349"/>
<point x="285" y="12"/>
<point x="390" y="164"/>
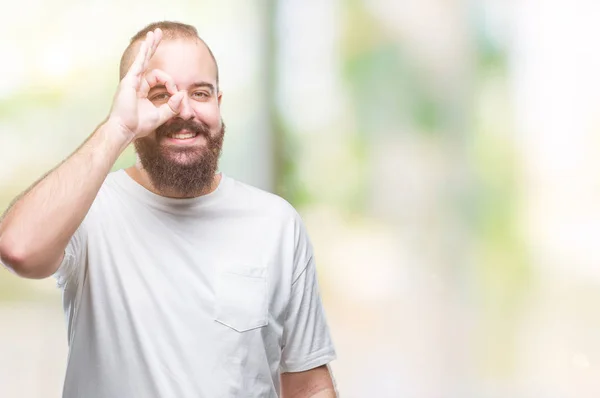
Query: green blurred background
<point x="443" y="154"/>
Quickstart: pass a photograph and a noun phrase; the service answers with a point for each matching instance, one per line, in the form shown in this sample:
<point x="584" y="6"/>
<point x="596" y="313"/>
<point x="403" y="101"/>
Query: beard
<point x="182" y="170"/>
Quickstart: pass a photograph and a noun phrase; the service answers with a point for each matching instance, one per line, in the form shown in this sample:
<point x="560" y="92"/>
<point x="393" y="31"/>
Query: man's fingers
<point x="153" y="39"/>
<point x="145" y="52"/>
<point x="137" y="67"/>
<point x="157" y="38"/>
<point x="171" y="108"/>
<point x="150" y="44"/>
<point x="157" y="77"/>
<point x="143" y="90"/>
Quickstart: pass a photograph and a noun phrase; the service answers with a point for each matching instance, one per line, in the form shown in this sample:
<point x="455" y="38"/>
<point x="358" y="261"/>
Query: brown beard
<point x="191" y="176"/>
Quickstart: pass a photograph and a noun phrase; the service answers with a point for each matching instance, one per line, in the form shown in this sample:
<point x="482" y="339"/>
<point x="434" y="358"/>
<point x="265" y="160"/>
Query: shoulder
<point x="262" y="201"/>
<point x="110" y="183"/>
<point x="111" y="196"/>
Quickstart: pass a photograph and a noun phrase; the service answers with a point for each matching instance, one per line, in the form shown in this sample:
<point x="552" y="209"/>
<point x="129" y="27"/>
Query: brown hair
<point x="171" y="30"/>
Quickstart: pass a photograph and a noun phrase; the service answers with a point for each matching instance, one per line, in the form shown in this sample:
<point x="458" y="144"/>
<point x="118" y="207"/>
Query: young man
<point x="177" y="281"/>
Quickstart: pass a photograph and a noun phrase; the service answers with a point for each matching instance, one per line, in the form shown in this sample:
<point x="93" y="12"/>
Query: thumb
<point x="171" y="108"/>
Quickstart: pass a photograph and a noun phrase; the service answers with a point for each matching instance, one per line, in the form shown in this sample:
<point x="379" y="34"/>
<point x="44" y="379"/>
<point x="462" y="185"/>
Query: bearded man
<point x="178" y="281"/>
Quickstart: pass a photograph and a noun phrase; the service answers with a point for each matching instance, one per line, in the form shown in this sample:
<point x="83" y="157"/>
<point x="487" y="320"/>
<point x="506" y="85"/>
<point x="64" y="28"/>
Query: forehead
<point x="186" y="61"/>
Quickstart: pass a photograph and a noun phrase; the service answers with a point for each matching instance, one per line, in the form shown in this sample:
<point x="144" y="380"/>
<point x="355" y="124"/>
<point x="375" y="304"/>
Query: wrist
<point x="117" y="135"/>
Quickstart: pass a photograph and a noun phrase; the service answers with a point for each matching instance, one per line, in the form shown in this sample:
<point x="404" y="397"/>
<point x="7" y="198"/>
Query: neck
<point x="139" y="175"/>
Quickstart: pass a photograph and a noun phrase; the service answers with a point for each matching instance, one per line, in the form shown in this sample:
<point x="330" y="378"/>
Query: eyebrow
<point x="208" y="85"/>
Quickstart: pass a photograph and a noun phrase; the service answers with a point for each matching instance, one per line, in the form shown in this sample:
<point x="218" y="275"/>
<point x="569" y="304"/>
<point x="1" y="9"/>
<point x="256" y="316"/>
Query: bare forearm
<point x="37" y="227"/>
<point x="328" y="393"/>
<point x="323" y="392"/>
<point x="314" y="383"/>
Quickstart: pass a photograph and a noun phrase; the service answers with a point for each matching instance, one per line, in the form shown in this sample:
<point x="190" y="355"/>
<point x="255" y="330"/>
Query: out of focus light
<point x="56" y="61"/>
<point x="13" y="67"/>
<point x="580" y="361"/>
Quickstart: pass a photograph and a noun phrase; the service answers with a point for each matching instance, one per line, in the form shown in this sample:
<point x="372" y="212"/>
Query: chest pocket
<point x="241" y="297"/>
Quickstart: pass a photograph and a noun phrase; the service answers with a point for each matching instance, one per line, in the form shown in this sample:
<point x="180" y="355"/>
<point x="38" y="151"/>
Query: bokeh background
<point x="444" y="155"/>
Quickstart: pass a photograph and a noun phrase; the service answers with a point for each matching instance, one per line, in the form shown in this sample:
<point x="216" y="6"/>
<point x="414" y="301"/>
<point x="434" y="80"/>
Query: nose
<point x="185" y="109"/>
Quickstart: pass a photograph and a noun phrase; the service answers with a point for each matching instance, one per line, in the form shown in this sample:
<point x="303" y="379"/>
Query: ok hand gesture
<point x="131" y="109"/>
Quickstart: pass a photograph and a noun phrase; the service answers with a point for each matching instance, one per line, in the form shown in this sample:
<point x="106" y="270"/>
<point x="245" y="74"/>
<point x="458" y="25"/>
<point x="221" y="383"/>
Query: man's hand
<point x="132" y="110"/>
<point x="61" y="199"/>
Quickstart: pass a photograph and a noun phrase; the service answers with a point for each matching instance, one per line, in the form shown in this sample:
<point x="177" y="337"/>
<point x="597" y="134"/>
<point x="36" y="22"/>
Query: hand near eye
<point x="131" y="109"/>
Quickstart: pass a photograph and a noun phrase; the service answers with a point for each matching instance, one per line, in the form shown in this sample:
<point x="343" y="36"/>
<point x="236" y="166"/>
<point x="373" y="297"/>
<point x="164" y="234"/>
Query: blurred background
<point x="444" y="155"/>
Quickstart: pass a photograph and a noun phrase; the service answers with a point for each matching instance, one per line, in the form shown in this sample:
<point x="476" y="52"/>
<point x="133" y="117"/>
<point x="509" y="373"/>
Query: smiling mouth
<point x="183" y="135"/>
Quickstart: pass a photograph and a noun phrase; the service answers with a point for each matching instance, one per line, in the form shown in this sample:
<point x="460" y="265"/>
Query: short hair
<point x="171" y="30"/>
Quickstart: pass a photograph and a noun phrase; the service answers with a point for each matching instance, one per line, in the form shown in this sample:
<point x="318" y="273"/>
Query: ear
<point x="219" y="97"/>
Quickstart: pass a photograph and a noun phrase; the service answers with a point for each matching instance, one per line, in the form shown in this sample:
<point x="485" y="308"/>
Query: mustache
<point x="177" y="125"/>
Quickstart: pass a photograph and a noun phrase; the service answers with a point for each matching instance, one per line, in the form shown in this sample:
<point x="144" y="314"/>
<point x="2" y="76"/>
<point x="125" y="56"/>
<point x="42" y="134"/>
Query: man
<point x="177" y="281"/>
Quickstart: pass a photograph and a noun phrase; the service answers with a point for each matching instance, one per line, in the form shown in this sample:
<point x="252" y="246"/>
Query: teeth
<point x="183" y="136"/>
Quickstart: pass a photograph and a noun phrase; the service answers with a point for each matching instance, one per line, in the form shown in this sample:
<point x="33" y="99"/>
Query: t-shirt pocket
<point x="241" y="297"/>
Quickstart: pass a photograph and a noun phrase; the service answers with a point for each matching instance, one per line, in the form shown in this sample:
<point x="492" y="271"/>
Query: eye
<point x="201" y="94"/>
<point x="160" y="97"/>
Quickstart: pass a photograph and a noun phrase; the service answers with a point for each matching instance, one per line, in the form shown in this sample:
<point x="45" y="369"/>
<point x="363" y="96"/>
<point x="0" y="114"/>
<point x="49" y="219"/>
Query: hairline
<point x="129" y="54"/>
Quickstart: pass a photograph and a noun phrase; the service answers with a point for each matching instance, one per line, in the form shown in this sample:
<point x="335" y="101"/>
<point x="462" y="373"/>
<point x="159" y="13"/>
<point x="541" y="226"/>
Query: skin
<point x="314" y="383"/>
<point x="160" y="86"/>
<point x="181" y="67"/>
<point x="38" y="225"/>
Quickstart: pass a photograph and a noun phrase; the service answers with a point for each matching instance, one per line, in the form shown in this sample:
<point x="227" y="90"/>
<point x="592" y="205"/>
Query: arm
<point x="36" y="228"/>
<point x="307" y="347"/>
<point x="314" y="383"/>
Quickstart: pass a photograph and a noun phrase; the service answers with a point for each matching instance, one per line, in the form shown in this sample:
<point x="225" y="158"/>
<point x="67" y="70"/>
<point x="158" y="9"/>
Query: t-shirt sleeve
<point x="307" y="342"/>
<point x="73" y="259"/>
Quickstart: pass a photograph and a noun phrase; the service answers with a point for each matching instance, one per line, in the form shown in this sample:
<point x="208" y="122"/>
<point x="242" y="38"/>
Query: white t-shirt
<point x="208" y="297"/>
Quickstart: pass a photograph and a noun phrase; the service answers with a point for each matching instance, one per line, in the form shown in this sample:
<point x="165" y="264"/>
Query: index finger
<point x="158" y="77"/>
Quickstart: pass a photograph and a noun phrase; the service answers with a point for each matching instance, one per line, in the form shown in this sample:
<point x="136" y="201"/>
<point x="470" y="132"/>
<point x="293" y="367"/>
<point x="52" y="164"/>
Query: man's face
<point x="181" y="156"/>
